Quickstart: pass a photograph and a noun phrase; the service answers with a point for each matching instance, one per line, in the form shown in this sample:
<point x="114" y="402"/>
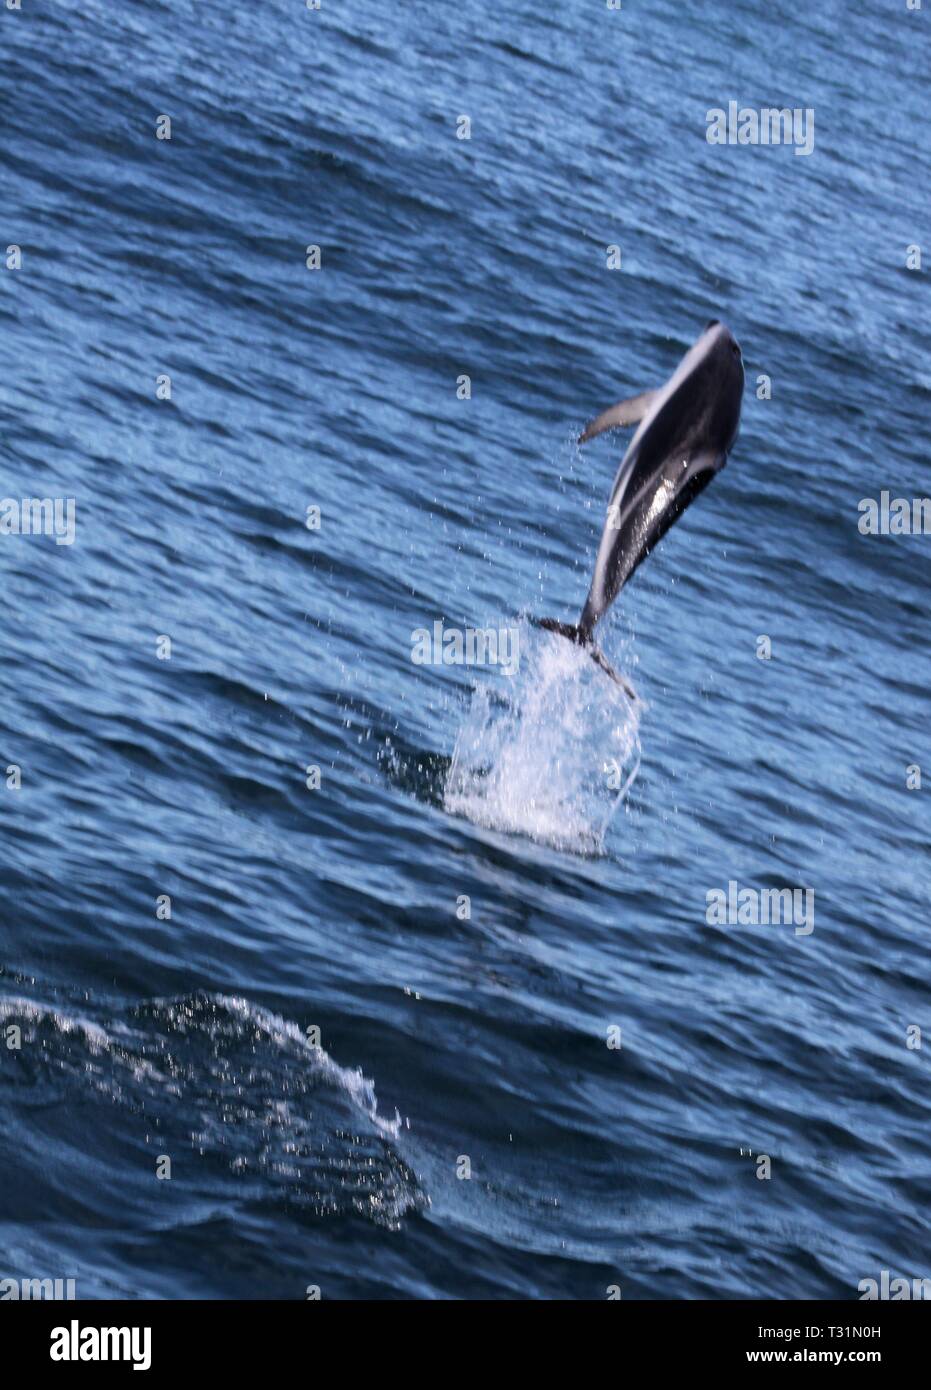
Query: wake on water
<point x="549" y="752"/>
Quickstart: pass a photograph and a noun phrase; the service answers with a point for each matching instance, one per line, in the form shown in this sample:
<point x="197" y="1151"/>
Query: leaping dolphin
<point x="685" y="431"/>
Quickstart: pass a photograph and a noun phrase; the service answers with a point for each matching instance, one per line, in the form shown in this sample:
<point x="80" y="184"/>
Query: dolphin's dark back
<point x="685" y="432"/>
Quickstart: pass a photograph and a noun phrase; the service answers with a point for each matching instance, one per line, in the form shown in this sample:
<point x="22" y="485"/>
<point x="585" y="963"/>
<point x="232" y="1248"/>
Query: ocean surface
<point x="447" y="1017"/>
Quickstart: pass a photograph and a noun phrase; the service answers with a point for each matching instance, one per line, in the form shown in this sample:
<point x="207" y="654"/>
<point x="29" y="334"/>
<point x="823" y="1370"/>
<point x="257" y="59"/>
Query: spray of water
<point x="549" y="752"/>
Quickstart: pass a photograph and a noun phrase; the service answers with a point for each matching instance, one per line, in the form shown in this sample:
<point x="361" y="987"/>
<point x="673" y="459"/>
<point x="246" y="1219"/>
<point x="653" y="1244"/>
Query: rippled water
<point x="423" y="966"/>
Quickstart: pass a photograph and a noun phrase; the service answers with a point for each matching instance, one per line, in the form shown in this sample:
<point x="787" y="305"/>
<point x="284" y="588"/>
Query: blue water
<point x="450" y="1042"/>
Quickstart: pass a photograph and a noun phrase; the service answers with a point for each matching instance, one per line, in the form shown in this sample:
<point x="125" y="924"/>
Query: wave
<point x="246" y="1091"/>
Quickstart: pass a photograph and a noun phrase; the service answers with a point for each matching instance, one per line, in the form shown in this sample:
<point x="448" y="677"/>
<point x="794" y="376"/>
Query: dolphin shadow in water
<point x="685" y="431"/>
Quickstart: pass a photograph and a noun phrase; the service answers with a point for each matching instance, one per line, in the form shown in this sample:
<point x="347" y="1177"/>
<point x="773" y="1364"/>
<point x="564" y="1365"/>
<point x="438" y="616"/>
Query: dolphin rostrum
<point x="685" y="431"/>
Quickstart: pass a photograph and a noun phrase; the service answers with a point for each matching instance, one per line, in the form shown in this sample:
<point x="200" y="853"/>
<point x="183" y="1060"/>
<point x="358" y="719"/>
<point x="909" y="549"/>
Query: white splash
<point x="550" y="752"/>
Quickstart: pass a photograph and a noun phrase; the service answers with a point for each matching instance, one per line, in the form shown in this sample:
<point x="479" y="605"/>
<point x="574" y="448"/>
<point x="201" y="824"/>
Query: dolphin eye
<point x="735" y="349"/>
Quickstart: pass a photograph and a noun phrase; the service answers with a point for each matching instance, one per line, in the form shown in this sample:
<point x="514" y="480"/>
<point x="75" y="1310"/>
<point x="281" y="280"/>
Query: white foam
<point x="351" y="1080"/>
<point x="550" y="752"/>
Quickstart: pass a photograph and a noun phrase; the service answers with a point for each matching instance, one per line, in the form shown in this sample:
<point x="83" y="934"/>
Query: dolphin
<point x="685" y="431"/>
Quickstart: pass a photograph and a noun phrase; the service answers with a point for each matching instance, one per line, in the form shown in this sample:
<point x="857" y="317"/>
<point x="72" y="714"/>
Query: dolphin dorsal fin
<point x="629" y="412"/>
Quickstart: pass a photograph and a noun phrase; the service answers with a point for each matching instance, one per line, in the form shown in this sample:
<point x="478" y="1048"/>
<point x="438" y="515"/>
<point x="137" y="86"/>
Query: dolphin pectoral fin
<point x="629" y="412"/>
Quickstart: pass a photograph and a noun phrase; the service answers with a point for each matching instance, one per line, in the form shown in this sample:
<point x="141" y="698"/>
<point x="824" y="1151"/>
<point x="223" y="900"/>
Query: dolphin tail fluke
<point x="571" y="631"/>
<point x="574" y="632"/>
<point x="599" y="658"/>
